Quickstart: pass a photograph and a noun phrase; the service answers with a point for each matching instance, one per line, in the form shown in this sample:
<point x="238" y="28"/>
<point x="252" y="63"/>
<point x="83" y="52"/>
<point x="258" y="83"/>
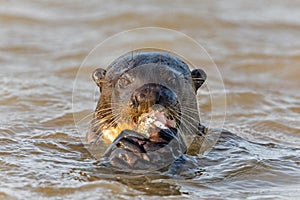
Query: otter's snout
<point x="151" y="94"/>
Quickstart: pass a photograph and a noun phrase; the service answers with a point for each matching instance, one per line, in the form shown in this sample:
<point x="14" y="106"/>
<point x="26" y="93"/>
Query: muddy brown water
<point x="256" y="46"/>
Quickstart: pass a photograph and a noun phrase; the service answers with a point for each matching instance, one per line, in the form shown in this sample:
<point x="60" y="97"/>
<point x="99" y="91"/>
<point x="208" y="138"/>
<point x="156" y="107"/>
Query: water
<point x="256" y="46"/>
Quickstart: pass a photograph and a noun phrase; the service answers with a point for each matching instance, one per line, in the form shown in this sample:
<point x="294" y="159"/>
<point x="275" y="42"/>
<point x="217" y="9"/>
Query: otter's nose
<point x="150" y="94"/>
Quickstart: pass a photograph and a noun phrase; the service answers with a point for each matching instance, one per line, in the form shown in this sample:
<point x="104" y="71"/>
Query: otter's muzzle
<point x="144" y="98"/>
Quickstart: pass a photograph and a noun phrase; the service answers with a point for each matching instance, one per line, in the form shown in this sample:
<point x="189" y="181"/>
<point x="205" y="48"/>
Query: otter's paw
<point x="132" y="150"/>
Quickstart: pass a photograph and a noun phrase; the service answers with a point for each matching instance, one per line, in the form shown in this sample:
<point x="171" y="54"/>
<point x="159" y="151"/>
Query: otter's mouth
<point x="158" y="118"/>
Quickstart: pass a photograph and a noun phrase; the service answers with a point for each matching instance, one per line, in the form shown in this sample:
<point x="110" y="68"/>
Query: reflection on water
<point x="256" y="46"/>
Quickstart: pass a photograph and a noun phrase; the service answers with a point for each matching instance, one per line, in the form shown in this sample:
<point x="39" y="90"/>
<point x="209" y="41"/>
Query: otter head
<point x="134" y="88"/>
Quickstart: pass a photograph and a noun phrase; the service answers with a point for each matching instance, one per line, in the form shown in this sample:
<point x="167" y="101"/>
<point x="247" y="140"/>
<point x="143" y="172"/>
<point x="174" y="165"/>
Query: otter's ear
<point x="198" y="77"/>
<point x="98" y="76"/>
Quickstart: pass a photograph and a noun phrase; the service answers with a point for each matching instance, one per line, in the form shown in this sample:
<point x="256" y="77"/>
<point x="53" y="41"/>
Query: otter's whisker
<point x="85" y="117"/>
<point x="103" y="114"/>
<point x="191" y="129"/>
<point x="189" y="119"/>
<point x="199" y="79"/>
<point x="190" y="109"/>
<point x="185" y="122"/>
<point x="103" y="121"/>
<point x="103" y="109"/>
<point x="113" y="123"/>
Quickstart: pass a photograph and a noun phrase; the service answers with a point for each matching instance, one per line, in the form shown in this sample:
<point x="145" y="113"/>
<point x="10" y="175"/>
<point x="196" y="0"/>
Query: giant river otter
<point x="147" y="111"/>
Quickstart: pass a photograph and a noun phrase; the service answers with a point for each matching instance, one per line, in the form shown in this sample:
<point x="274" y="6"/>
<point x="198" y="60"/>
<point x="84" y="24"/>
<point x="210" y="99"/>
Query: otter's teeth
<point x="160" y="125"/>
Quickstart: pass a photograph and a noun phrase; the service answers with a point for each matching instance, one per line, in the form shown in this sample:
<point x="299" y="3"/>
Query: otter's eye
<point x="124" y="81"/>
